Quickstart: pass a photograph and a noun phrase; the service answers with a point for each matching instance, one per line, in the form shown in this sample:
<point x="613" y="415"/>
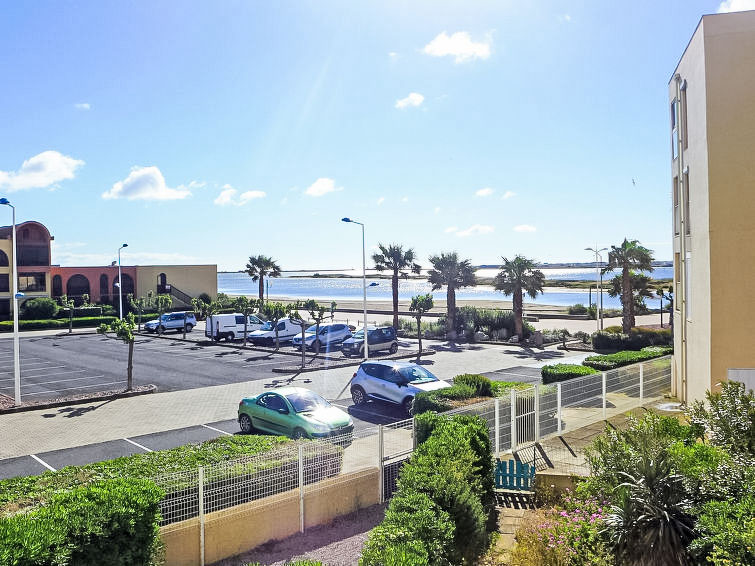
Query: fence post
<point x="513" y="419"/>
<point x="558" y="406"/>
<point x="603" y="375"/>
<point x="497" y="427"/>
<point x="414" y="434"/>
<point x="537" y="412"/>
<point x="301" y="487"/>
<point x="201" y="514"/>
<point x="642" y="382"/>
<point x="381" y="490"/>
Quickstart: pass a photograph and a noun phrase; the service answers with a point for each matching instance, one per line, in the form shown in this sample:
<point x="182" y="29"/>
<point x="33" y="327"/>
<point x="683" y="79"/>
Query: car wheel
<point x="189" y="327"/>
<point x="408" y="405"/>
<point x="358" y="395"/>
<point x="316" y="346"/>
<point x="160" y="329"/>
<point x="245" y="422"/>
<point x="229" y="337"/>
<point x="299" y="433"/>
<point x="394" y="348"/>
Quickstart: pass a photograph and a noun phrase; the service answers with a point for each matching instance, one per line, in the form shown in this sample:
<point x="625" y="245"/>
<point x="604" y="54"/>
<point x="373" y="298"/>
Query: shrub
<point x="482" y="385"/>
<point x="727" y="532"/>
<point x="613" y="329"/>
<point x="637" y="339"/>
<point x="440" y="400"/>
<point x="205" y="298"/>
<point x="583" y="336"/>
<point x="79" y="312"/>
<point x="577" y="309"/>
<point x="619" y="359"/>
<point x="39" y="308"/>
<point x="116" y="519"/>
<point x="560" y="372"/>
<point x="86" y="322"/>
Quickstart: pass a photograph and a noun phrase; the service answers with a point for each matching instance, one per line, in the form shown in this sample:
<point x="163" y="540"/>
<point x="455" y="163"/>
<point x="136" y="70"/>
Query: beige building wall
<point x="715" y="264"/>
<point x="191" y="279"/>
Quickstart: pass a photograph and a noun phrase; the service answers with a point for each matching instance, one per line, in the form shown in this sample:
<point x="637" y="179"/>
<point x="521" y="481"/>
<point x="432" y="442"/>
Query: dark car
<point x="378" y="340"/>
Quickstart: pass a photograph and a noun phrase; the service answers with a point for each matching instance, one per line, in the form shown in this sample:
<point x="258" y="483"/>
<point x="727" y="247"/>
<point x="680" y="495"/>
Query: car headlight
<point x="351" y="422"/>
<point x="320" y="427"/>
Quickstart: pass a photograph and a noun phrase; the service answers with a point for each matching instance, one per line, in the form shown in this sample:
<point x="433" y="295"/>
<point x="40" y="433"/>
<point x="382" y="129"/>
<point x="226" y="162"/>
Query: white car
<point x="392" y="381"/>
<point x="230" y="326"/>
<point x="329" y="335"/>
<point x="266" y="335"/>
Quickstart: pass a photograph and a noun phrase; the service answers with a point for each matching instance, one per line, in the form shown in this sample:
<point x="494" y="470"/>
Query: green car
<point x="295" y="412"/>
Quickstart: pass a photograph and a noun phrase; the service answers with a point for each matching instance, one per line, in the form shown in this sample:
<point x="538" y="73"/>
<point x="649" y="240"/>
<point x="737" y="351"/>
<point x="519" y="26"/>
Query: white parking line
<point x="23" y="375"/>
<point x="63" y="380"/>
<point x="217" y="429"/>
<point x="74" y="388"/>
<point x="138" y="445"/>
<point x="41" y="461"/>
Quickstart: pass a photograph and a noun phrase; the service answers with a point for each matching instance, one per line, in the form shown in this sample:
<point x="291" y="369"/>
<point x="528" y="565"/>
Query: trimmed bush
<point x="79" y="312"/>
<point x="55" y="323"/>
<point x="577" y="309"/>
<point x="440" y="400"/>
<point x="482" y="385"/>
<point x="113" y="521"/>
<point x="560" y="372"/>
<point x="619" y="359"/>
<point x="637" y="339"/>
<point x="39" y="308"/>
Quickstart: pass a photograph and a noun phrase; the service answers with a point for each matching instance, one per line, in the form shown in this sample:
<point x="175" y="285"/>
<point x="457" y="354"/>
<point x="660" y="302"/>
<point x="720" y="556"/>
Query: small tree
<point x="292" y="310"/>
<point x="420" y="305"/>
<point x="274" y="312"/>
<point x="318" y="313"/>
<point x="245" y="306"/>
<point x="139" y="305"/>
<point x="67" y="303"/>
<point x="123" y="330"/>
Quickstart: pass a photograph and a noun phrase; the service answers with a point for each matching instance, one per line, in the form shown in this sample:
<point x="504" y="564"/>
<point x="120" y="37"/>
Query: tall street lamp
<point x="364" y="285"/>
<point x="16" y="296"/>
<point x="599" y="282"/>
<point x="120" y="283"/>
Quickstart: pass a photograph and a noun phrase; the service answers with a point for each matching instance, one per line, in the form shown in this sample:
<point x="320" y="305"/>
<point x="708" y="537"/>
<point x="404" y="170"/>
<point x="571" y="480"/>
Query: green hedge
<point x="113" y="521"/>
<point x="466" y="386"/>
<point x="97" y="310"/>
<point x="637" y="339"/>
<point x="482" y="385"/>
<point x="39" y="307"/>
<point x="625" y="358"/>
<point x="560" y="372"/>
<point x="56" y="323"/>
<point x="445" y="494"/>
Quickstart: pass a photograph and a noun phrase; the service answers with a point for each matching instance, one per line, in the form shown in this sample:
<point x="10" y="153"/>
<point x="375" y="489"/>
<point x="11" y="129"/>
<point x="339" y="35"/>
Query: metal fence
<point x="525" y="422"/>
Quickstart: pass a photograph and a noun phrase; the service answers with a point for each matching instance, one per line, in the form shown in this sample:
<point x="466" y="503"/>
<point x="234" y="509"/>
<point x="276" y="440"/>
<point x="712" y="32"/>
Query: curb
<point x="338" y="365"/>
<point x="52" y="405"/>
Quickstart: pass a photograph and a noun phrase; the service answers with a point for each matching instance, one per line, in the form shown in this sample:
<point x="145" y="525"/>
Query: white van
<point x="266" y="335"/>
<point x="230" y="326"/>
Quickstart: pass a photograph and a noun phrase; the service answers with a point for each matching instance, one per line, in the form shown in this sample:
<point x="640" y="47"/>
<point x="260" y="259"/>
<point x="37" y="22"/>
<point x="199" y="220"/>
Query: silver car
<point x="329" y="335"/>
<point x="392" y="381"/>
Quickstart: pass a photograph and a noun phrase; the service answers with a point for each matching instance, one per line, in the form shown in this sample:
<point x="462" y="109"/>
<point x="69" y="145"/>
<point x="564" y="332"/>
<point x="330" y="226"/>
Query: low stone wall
<point x="244" y="527"/>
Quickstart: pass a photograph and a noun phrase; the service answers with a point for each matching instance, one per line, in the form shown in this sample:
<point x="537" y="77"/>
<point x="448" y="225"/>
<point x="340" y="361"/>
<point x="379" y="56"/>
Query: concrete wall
<point x="191" y="279"/>
<point x="247" y="526"/>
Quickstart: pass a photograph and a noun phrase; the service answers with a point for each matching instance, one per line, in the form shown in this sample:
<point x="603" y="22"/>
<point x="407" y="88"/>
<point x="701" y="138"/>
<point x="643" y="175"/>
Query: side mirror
<point x="283" y="411"/>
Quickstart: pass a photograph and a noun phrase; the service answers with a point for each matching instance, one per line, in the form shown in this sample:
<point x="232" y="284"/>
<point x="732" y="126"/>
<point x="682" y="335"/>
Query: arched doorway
<point x="57" y="286"/>
<point x="128" y="285"/>
<point x="162" y="281"/>
<point x="104" y="289"/>
<point x="77" y="286"/>
<point x="3" y="259"/>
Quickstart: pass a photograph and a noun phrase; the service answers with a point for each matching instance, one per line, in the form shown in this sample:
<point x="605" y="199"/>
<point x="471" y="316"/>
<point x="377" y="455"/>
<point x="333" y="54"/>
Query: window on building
<point x="677" y="281"/>
<point x="685" y="139"/>
<point x="686" y="203"/>
<point x="5" y="283"/>
<point x="674" y="128"/>
<point x="29" y="255"/>
<point x="688" y="284"/>
<point x="677" y="219"/>
<point x="31" y="282"/>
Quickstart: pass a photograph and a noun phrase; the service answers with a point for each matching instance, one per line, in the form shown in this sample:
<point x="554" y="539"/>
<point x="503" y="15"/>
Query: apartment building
<point x="712" y="127"/>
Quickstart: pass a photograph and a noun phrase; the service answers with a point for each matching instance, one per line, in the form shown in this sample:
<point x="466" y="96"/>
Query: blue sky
<point x="203" y="132"/>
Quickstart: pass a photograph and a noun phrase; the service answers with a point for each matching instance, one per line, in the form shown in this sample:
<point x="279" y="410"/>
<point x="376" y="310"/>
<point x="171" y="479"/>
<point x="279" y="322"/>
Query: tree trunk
<point x="130" y="368"/>
<point x="517" y="306"/>
<point x="303" y="352"/>
<point x="262" y="289"/>
<point x="627" y="320"/>
<point x="246" y="325"/>
<point x="277" y="341"/>
<point x="70" y="321"/>
<point x="419" y="336"/>
<point x="394" y="288"/>
<point x="451" y="313"/>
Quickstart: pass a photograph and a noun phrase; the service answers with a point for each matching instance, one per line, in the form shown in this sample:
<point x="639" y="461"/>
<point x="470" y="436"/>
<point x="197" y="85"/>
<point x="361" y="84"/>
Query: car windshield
<point x="360" y="333"/>
<point x="312" y="328"/>
<point x="305" y="401"/>
<point x="417" y="374"/>
<point x="267" y="326"/>
<point x="165" y="317"/>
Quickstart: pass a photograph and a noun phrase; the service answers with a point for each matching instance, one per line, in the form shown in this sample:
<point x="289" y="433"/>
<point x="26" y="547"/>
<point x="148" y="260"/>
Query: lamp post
<point x="364" y="285"/>
<point x="599" y="282"/>
<point x="16" y="296"/>
<point x="120" y="283"/>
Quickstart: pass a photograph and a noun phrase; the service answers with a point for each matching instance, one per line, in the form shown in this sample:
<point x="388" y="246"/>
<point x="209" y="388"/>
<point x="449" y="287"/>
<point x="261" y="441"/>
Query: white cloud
<point x="508" y="195"/>
<point x="458" y="45"/>
<point x="437" y="210"/>
<point x="486" y="192"/>
<point x="321" y="187"/>
<point x="451" y="229"/>
<point x="284" y="201"/>
<point x="475" y="230"/>
<point x="405" y="199"/>
<point x="564" y="18"/>
<point x="736" y="6"/>
<point x="525" y="228"/>
<point x="147" y="183"/>
<point x="380" y="201"/>
<point x="82" y="106"/>
<point x="42" y="171"/>
<point x="228" y="197"/>
<point x="393" y="55"/>
<point x="414" y="99"/>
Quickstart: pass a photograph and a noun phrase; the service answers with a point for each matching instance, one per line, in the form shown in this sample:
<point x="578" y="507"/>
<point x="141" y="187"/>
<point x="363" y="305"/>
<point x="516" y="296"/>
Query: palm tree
<point x="641" y="290"/>
<point x="394" y="258"/>
<point x="448" y="270"/>
<point x="629" y="256"/>
<point x="262" y="266"/>
<point x="519" y="276"/>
